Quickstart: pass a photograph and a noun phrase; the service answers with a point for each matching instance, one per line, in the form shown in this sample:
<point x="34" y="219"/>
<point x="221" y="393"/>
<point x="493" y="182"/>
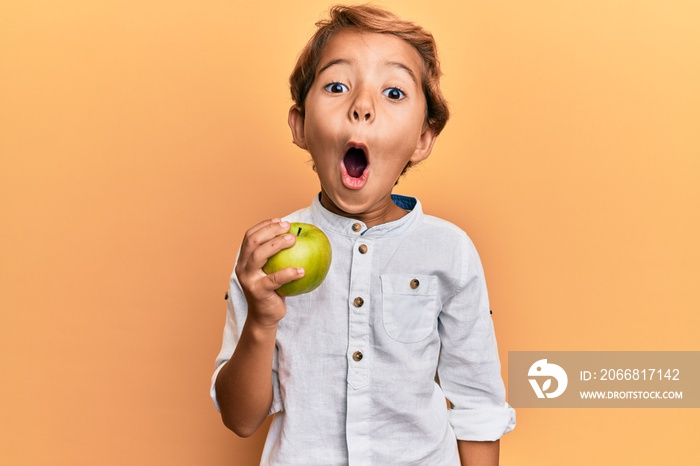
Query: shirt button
<point x="357" y="356"/>
<point x="415" y="283"/>
<point x="356" y="227"/>
<point x="358" y="302"/>
<point x="363" y="249"/>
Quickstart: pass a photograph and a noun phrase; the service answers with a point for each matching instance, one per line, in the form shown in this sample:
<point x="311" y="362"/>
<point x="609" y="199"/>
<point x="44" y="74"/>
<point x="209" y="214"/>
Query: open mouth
<point x="355" y="166"/>
<point x="355" y="162"/>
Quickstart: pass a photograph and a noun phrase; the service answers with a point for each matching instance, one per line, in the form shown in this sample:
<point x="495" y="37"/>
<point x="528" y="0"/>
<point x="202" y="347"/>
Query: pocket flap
<point x="409" y="284"/>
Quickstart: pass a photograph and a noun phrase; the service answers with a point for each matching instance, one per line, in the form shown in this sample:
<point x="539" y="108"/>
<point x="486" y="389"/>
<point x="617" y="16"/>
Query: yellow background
<point x="139" y="140"/>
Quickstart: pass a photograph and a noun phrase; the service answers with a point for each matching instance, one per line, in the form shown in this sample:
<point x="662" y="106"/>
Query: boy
<point x="350" y="368"/>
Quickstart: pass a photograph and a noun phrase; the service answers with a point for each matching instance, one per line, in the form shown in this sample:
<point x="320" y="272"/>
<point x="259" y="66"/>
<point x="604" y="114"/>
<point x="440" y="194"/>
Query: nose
<point x="362" y="108"/>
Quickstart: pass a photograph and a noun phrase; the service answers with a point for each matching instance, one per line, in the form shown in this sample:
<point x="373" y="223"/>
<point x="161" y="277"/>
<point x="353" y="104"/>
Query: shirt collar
<point x="334" y="223"/>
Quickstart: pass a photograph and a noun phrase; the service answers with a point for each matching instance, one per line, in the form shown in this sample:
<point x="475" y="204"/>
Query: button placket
<point x="359" y="312"/>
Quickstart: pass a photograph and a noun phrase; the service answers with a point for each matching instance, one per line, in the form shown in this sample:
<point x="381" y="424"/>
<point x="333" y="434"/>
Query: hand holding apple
<point x="311" y="251"/>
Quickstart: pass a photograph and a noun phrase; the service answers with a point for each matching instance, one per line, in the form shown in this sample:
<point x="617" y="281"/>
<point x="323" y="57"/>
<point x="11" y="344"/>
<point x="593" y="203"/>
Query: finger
<point x="260" y="234"/>
<point x="260" y="225"/>
<point x="264" y="251"/>
<point x="281" y="277"/>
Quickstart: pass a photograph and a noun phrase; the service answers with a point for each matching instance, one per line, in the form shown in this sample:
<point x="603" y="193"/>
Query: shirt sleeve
<point x="469" y="369"/>
<point x="236" y="312"/>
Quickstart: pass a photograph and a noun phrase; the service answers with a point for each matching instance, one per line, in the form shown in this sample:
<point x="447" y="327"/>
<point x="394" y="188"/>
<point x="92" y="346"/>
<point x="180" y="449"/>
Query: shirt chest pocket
<point x="409" y="306"/>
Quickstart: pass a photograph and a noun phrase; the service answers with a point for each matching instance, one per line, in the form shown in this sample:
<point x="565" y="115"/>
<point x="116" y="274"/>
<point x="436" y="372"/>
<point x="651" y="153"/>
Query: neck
<point x="384" y="212"/>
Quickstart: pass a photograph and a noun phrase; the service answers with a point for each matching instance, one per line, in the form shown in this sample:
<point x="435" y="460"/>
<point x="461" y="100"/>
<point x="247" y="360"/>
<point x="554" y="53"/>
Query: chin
<point x="345" y="205"/>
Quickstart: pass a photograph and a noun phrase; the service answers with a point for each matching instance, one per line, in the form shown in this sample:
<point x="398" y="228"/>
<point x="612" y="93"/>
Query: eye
<point x="394" y="93"/>
<point x="336" y="88"/>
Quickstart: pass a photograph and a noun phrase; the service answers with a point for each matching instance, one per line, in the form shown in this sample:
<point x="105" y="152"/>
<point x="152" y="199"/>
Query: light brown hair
<point x="370" y="18"/>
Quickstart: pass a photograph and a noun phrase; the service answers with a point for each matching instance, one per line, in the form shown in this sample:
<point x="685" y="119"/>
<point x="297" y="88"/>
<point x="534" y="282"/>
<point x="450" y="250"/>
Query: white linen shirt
<point x="354" y="369"/>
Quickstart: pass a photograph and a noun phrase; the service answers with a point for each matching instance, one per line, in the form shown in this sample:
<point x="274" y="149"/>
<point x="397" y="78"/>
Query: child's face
<point x="364" y="121"/>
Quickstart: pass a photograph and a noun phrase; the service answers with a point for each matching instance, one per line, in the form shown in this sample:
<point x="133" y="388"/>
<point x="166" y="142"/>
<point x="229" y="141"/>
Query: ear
<point x="425" y="145"/>
<point x="296" y="124"/>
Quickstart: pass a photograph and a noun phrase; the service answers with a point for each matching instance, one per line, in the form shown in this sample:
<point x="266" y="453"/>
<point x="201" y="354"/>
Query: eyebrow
<point x="405" y="68"/>
<point x="395" y="64"/>
<point x="337" y="61"/>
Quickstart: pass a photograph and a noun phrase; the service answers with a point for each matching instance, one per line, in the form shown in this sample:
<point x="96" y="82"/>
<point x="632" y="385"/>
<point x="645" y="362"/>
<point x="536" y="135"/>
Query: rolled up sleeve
<point x="236" y="312"/>
<point x="469" y="369"/>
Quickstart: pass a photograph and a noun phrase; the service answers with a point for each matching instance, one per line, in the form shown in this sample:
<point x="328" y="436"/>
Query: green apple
<point x="311" y="251"/>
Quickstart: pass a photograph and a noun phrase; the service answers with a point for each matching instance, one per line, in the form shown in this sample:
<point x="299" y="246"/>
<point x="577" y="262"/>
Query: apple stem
<point x="299" y="232"/>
